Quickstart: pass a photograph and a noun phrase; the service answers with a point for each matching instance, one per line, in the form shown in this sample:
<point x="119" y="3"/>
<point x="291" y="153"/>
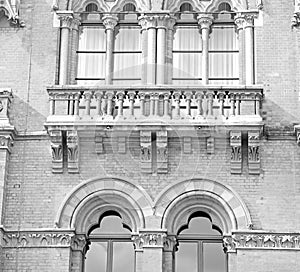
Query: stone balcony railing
<point x="146" y="105"/>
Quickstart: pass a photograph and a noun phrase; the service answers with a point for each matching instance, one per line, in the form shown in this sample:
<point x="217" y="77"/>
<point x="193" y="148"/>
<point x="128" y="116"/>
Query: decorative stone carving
<point x="66" y="18"/>
<point x="162" y="151"/>
<point x="205" y="21"/>
<point x="236" y="152"/>
<point x="170" y="243"/>
<point x="251" y="240"/>
<point x="146" y="151"/>
<point x="5" y="100"/>
<point x="73" y="151"/>
<point x="210" y="145"/>
<point x="13" y="239"/>
<point x="150" y="239"/>
<point x="259" y="4"/>
<point x="253" y="152"/>
<point x="79" y="242"/>
<point x="11" y="11"/>
<point x="110" y="21"/>
<point x="57" y="151"/>
<point x="296" y="15"/>
<point x="6" y="142"/>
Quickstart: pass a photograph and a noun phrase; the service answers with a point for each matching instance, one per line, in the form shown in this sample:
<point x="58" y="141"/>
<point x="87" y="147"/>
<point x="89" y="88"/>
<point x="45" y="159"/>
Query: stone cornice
<point x="262" y="241"/>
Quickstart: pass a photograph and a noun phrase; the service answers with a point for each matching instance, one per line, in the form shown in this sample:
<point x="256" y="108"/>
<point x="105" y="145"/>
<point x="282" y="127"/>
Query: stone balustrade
<point x="174" y="104"/>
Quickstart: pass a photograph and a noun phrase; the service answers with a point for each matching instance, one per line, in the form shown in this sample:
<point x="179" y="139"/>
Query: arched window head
<point x="91" y="7"/>
<point x="224" y="7"/>
<point x="129" y="7"/>
<point x="186" y="7"/>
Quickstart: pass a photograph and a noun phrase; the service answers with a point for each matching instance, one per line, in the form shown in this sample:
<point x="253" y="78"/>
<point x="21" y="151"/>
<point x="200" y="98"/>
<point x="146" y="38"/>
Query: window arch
<point x="200" y="246"/>
<point x="111" y="248"/>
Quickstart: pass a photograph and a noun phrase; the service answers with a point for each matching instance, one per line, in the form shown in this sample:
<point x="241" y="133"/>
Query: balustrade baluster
<point x="71" y="104"/>
<point x="110" y="96"/>
<point x="188" y="97"/>
<point x="76" y="105"/>
<point x="238" y="104"/>
<point x="210" y="101"/>
<point x="176" y="96"/>
<point x="156" y="104"/>
<point x="87" y="96"/>
<point x="142" y="103"/>
<point x="232" y="104"/>
<point x="257" y="104"/>
<point x="199" y="98"/>
<point x="221" y="103"/>
<point x="151" y="104"/>
<point x="166" y="104"/>
<point x="120" y="97"/>
<point x="98" y="96"/>
<point x="52" y="104"/>
<point x="131" y="96"/>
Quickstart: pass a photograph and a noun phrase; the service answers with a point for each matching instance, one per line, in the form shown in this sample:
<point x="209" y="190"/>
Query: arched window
<point x="223" y="48"/>
<point x="187" y="48"/>
<point x="200" y="247"/>
<point x="111" y="248"/>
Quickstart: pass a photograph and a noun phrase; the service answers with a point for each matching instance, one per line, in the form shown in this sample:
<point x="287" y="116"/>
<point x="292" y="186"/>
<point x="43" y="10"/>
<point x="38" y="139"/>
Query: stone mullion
<point x="109" y="22"/>
<point x="66" y="19"/>
<point x="205" y="23"/>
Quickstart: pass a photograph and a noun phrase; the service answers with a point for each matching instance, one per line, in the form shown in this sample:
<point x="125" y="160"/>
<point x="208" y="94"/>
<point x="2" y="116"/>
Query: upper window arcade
<point x="127" y="46"/>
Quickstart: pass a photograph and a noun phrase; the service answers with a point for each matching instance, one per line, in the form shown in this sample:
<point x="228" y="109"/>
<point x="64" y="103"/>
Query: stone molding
<point x="262" y="240"/>
<point x="40" y="238"/>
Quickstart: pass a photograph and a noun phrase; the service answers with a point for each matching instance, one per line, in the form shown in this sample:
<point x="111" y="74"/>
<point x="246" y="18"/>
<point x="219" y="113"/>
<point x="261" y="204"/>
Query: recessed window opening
<point x="91" y="7"/>
<point x="200" y="247"/>
<point x="111" y="248"/>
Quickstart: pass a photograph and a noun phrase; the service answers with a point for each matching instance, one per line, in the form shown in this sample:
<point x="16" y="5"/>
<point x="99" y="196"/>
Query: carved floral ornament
<point x="11" y="11"/>
<point x="296" y="15"/>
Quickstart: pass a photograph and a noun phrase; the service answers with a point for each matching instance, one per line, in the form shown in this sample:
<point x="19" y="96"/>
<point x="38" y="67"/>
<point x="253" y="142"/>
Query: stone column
<point x="239" y="21"/>
<point x="66" y="19"/>
<point x="249" y="48"/>
<point x="74" y="47"/>
<point x="161" y="49"/>
<point x="205" y="23"/>
<point x="109" y="22"/>
<point x="169" y="47"/>
<point x="144" y="40"/>
<point x="170" y="243"/>
<point x="79" y="246"/>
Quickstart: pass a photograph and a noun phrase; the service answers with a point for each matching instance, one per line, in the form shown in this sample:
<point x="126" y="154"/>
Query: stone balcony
<point x="203" y="106"/>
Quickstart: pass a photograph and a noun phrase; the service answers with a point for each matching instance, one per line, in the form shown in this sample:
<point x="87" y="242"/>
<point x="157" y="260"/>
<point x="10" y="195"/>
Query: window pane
<point x="186" y="65"/>
<point x="223" y="38"/>
<point x="128" y="39"/>
<point x="123" y="257"/>
<point x="214" y="257"/>
<point x="127" y="65"/>
<point x="92" y="39"/>
<point x="187" y="38"/>
<point x="186" y="257"/>
<point x="96" y="257"/>
<point x="91" y="65"/>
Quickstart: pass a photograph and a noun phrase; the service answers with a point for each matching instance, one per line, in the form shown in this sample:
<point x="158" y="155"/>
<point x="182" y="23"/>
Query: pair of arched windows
<point x="199" y="246"/>
<point x="187" y="54"/>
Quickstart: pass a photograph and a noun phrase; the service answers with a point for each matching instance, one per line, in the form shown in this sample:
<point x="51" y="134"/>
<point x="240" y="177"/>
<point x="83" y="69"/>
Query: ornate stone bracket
<point x="253" y="152"/>
<point x="57" y="151"/>
<point x="162" y="151"/>
<point x="73" y="151"/>
<point x="146" y="151"/>
<point x="252" y="240"/>
<point x="5" y="100"/>
<point x="236" y="152"/>
<point x="11" y="11"/>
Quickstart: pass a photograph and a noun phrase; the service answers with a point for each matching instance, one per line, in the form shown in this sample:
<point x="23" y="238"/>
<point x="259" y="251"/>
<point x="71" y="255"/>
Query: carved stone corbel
<point x="162" y="151"/>
<point x="57" y="151"/>
<point x="73" y="151"/>
<point x="253" y="152"/>
<point x="146" y="151"/>
<point x="236" y="152"/>
<point x="79" y="242"/>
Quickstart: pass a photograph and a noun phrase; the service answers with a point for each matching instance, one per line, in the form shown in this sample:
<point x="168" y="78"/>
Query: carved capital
<point x="79" y="242"/>
<point x="205" y="21"/>
<point x="66" y="18"/>
<point x="239" y="20"/>
<point x="57" y="151"/>
<point x="149" y="239"/>
<point x="147" y="21"/>
<point x="73" y="151"/>
<point x="170" y="243"/>
<point x="110" y="22"/>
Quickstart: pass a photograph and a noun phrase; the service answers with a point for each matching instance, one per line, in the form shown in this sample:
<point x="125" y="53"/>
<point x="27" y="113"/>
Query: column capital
<point x="79" y="242"/>
<point x="239" y="20"/>
<point x="76" y="22"/>
<point x="205" y="21"/>
<point x="66" y="18"/>
<point x="110" y="21"/>
<point x="149" y="239"/>
<point x="147" y="21"/>
<point x="166" y="21"/>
